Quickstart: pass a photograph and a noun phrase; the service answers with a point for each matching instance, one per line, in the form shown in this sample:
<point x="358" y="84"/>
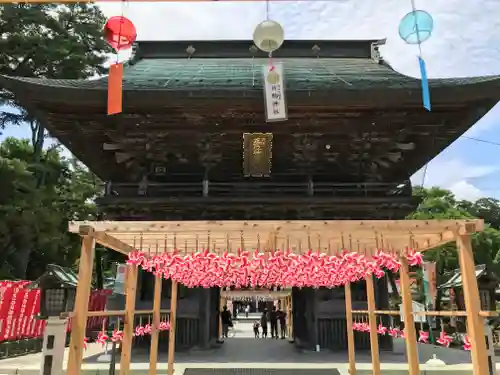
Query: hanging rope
<point x="124" y="2"/>
<point x="414" y="11"/>
<point x="268" y="10"/>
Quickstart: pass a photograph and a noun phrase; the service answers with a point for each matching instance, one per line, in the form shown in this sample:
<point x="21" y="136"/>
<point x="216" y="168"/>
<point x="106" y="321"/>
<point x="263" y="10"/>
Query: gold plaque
<point x="257" y="154"/>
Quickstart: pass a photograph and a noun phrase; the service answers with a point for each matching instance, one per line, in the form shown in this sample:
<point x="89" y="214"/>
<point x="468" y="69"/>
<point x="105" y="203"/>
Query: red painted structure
<point x="19" y="307"/>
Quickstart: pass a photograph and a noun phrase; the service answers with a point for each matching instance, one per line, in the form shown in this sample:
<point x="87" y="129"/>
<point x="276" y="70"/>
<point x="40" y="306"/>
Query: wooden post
<point x="79" y="322"/>
<point x="475" y="325"/>
<point x="155" y="333"/>
<point x="407" y="304"/>
<point x="350" y="332"/>
<point x="372" y="320"/>
<point x="173" y="324"/>
<point x="128" y="326"/>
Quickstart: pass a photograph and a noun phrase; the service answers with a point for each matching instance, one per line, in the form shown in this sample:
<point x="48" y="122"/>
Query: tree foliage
<point x="439" y="203"/>
<point x="34" y="218"/>
<point x="48" y="41"/>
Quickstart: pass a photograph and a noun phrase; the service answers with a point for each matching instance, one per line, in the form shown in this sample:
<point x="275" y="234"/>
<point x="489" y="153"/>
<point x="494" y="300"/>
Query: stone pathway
<point x="245" y="352"/>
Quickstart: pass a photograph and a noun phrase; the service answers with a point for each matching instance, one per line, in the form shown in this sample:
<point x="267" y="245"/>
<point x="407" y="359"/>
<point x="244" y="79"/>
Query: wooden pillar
<point x="173" y="325"/>
<point x="79" y="322"/>
<point x="155" y="333"/>
<point x="407" y="304"/>
<point x="475" y="324"/>
<point x="128" y="326"/>
<point x="372" y="319"/>
<point x="350" y="332"/>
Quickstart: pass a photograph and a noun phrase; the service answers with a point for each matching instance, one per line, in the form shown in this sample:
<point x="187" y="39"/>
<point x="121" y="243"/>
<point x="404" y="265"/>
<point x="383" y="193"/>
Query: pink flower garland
<point x="282" y="268"/>
<point x="117" y="335"/>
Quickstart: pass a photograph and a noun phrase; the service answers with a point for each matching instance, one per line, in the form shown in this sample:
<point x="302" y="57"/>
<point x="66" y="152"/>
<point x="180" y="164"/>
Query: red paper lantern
<point x="120" y="32"/>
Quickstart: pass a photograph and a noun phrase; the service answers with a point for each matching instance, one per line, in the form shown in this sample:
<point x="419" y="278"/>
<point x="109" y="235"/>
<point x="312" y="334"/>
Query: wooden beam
<point x="350" y="332"/>
<point x="128" y="327"/>
<point x="372" y="319"/>
<point x="370" y="235"/>
<point x="409" y="330"/>
<point x="79" y="322"/>
<point x="111" y="146"/>
<point x="173" y="324"/>
<point x="266" y="226"/>
<point x="475" y="325"/>
<point x="329" y="244"/>
<point x="111" y="242"/>
<point x="122" y="157"/>
<point x="254" y="293"/>
<point x="155" y="333"/>
<point x="434" y="241"/>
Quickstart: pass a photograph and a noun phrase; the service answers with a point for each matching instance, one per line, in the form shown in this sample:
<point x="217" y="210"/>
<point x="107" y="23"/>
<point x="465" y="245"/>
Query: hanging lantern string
<point x="414" y="10"/>
<point x="120" y="32"/>
<point x="268" y="10"/>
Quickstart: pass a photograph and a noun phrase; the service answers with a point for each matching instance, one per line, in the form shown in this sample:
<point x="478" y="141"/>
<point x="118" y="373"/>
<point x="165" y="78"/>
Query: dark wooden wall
<point x="319" y="316"/>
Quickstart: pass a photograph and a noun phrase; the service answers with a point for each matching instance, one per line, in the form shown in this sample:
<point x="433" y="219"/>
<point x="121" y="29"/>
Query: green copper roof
<point x="237" y="65"/>
<point x="246" y="74"/>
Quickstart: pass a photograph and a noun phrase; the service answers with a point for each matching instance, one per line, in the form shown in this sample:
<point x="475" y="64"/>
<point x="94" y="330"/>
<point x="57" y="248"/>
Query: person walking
<point x="273" y="317"/>
<point x="256" y="326"/>
<point x="226" y="321"/>
<point x="263" y="323"/>
<point x="282" y="321"/>
<point x="247" y="311"/>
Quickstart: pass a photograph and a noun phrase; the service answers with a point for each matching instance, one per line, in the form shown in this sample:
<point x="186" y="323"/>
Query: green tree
<point x="439" y="203"/>
<point x="49" y="41"/>
<point x="34" y="218"/>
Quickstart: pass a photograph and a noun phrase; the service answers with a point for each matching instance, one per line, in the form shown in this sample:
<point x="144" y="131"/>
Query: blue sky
<point x="465" y="42"/>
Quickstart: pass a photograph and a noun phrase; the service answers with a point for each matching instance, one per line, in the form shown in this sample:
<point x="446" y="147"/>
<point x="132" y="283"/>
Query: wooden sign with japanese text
<point x="274" y="93"/>
<point x="257" y="154"/>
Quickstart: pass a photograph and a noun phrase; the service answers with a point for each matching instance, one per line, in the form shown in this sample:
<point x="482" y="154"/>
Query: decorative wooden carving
<point x="257" y="154"/>
<point x="305" y="151"/>
<point x="209" y="149"/>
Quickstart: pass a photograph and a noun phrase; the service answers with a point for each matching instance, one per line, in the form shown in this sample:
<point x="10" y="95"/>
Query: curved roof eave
<point x="403" y="89"/>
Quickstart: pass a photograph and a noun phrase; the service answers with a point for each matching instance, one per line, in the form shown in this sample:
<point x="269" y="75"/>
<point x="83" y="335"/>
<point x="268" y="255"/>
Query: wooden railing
<point x="258" y="189"/>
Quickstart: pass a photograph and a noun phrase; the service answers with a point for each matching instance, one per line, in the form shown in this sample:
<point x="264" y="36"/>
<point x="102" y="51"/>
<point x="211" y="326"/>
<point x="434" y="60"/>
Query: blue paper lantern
<point x="416" y="27"/>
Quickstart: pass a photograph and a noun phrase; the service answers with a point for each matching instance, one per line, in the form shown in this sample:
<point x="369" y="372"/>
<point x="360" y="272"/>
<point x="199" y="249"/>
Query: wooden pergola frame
<point x="329" y="237"/>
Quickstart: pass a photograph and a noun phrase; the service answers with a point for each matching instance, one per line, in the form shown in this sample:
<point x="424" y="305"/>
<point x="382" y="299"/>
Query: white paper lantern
<point x="268" y="36"/>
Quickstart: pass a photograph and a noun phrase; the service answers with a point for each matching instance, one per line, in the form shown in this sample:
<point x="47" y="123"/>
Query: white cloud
<point x="465" y="190"/>
<point x="465" y="40"/>
<point x="456" y="176"/>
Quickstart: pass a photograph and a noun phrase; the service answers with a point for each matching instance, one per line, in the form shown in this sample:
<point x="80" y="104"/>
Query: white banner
<point x="274" y="93"/>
